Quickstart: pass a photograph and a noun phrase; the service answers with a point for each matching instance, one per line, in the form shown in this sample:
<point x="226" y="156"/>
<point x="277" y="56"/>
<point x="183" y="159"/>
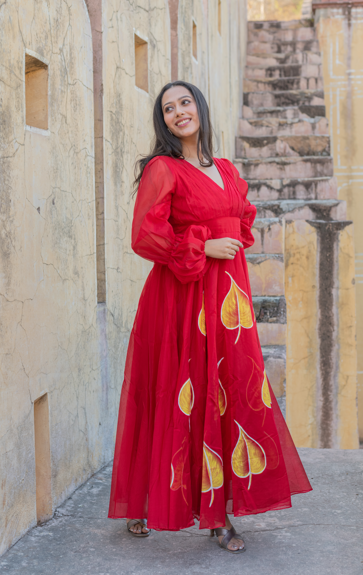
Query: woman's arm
<point x="153" y="237"/>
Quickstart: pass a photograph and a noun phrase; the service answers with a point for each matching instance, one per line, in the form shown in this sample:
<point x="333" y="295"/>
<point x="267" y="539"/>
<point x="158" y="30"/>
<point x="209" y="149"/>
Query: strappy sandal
<point x="228" y="535"/>
<point x="143" y="523"/>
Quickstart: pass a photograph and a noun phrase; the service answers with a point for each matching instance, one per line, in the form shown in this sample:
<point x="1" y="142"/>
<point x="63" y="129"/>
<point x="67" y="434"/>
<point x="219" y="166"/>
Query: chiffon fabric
<point x="199" y="432"/>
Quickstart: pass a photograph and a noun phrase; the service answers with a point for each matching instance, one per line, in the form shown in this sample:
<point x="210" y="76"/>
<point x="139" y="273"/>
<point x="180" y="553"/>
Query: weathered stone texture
<point x="340" y="33"/>
<point x="283" y="150"/>
<point x="66" y="212"/>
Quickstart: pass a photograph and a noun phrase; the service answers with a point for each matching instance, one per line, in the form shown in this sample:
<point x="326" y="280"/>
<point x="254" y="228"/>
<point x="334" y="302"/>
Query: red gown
<point x="199" y="432"/>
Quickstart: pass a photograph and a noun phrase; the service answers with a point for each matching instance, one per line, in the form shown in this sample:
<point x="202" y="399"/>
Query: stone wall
<point x="340" y="33"/>
<point x="69" y="280"/>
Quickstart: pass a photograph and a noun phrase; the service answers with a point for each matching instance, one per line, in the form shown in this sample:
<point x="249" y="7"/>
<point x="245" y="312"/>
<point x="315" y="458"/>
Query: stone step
<point x="277" y="59"/>
<point x="285" y="167"/>
<point x="257" y="127"/>
<point x="325" y="210"/>
<point x="279" y="25"/>
<point x="269" y="309"/>
<point x="300" y="34"/>
<point x="303" y="112"/>
<point x="266" y="273"/>
<point x="282" y="84"/>
<point x="273" y="146"/>
<point x="299" y="189"/>
<point x="269" y="237"/>
<point x="283" y="47"/>
<point x="283" y="71"/>
<point x="282" y="98"/>
<point x="275" y="364"/>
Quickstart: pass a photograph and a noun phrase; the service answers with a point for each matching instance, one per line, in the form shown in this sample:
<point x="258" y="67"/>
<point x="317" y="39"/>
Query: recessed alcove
<point x="36" y="93"/>
<point x="141" y="64"/>
<point x="194" y="41"/>
<point x="220" y="16"/>
<point x="42" y="459"/>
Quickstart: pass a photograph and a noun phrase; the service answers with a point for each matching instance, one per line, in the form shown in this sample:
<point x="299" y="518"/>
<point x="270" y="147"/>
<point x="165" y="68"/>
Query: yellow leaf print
<point x="248" y="457"/>
<point x="236" y="309"/>
<point x="265" y="391"/>
<point x="177" y="471"/>
<point x="201" y="319"/>
<point x="186" y="397"/>
<point x="212" y="474"/>
<point x="222" y="397"/>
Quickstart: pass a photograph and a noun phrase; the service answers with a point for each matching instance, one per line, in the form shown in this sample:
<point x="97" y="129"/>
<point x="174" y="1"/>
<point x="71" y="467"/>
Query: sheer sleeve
<point x="153" y="237"/>
<point x="249" y="212"/>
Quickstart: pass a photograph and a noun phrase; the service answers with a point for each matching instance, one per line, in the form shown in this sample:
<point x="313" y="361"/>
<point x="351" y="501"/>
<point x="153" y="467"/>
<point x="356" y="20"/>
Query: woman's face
<point x="180" y="112"/>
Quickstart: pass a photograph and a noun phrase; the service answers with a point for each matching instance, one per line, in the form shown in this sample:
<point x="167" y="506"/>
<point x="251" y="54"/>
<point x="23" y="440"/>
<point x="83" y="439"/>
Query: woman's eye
<point x="168" y="109"/>
<point x="186" y="101"/>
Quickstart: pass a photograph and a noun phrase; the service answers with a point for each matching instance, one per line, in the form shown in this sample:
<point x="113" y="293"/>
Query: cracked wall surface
<point x="54" y="337"/>
<point x="340" y="33"/>
<point x="49" y="332"/>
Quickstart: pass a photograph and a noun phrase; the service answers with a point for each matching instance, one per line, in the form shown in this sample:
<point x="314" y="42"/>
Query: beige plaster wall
<point x="218" y="70"/>
<point x="340" y="33"/>
<point x="48" y="328"/>
<point x="321" y="411"/>
<point x="54" y="337"/>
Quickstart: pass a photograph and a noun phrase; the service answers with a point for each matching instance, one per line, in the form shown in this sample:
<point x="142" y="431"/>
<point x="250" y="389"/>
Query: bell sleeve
<point x="249" y="210"/>
<point x="153" y="237"/>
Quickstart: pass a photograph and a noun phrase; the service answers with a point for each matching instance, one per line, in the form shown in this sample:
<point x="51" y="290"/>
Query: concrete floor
<point x="321" y="535"/>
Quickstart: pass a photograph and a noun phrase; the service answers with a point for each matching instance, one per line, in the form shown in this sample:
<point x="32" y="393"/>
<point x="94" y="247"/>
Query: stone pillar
<point x="321" y="386"/>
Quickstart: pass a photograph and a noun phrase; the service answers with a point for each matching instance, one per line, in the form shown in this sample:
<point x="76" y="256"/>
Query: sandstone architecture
<point x="302" y="263"/>
<point x="77" y="85"/>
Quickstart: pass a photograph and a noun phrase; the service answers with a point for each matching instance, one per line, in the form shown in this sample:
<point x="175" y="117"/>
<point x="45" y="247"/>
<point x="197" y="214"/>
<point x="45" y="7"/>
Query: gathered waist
<point x="219" y="227"/>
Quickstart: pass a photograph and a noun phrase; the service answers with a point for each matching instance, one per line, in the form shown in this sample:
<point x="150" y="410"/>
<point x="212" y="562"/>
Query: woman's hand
<point x="222" y="248"/>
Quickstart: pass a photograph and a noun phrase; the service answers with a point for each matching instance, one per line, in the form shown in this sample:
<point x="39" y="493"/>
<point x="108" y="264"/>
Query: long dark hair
<point x="166" y="144"/>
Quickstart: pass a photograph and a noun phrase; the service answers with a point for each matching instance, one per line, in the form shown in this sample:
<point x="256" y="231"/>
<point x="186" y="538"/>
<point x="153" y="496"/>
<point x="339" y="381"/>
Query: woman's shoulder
<point x="228" y="165"/>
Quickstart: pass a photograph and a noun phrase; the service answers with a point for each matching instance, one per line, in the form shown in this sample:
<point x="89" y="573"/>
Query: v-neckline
<point x="209" y="178"/>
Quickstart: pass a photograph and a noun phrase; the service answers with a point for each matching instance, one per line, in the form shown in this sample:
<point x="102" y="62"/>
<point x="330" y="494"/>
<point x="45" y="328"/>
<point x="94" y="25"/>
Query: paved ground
<point x="321" y="535"/>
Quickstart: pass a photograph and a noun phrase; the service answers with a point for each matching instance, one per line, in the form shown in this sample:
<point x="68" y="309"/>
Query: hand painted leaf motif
<point x="212" y="473"/>
<point x="177" y="470"/>
<point x="222" y="397"/>
<point x="253" y="387"/>
<point x="265" y="391"/>
<point x="201" y="319"/>
<point x="248" y="457"/>
<point x="236" y="309"/>
<point x="186" y="397"/>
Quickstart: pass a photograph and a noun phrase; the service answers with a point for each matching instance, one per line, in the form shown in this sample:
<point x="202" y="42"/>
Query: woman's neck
<point x="190" y="149"/>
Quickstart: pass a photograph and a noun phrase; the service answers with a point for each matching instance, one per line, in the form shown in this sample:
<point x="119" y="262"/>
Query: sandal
<point x="143" y="523"/>
<point x="228" y="535"/>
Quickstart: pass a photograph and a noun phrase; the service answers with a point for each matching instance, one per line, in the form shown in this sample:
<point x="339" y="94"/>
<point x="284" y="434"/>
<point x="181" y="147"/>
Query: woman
<point x="200" y="434"/>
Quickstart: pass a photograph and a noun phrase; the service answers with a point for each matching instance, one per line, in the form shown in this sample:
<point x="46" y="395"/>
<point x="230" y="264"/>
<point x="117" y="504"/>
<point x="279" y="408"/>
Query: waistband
<point x="219" y="227"/>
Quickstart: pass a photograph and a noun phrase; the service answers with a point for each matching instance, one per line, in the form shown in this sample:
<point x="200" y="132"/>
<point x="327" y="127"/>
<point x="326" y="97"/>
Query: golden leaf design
<point x="236" y="309"/>
<point x="186" y="397"/>
<point x="212" y="474"/>
<point x="222" y="397"/>
<point x="265" y="391"/>
<point x="248" y="457"/>
<point x="201" y="319"/>
<point x="177" y="470"/>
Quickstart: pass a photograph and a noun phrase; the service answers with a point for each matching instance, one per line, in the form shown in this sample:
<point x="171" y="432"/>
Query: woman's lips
<point x="182" y="123"/>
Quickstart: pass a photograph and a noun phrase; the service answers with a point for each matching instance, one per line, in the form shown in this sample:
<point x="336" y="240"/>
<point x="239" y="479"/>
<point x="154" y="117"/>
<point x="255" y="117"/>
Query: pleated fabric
<point x="200" y="432"/>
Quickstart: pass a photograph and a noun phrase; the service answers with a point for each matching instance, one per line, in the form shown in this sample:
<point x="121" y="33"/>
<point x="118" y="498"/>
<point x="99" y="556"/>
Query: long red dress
<point x="199" y="431"/>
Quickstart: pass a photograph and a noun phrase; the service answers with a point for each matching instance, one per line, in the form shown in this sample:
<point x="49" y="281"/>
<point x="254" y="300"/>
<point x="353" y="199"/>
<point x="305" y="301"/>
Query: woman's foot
<point x="138" y="528"/>
<point x="235" y="543"/>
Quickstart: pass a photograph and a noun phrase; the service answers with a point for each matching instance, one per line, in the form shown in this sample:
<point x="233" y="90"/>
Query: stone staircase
<point x="283" y="151"/>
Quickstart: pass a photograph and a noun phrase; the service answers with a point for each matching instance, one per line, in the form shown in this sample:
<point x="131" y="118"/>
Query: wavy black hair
<point x="166" y="144"/>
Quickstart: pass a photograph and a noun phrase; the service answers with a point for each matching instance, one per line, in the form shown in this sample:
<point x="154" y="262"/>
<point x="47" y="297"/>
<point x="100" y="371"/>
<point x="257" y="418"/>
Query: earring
<point x="170" y="131"/>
